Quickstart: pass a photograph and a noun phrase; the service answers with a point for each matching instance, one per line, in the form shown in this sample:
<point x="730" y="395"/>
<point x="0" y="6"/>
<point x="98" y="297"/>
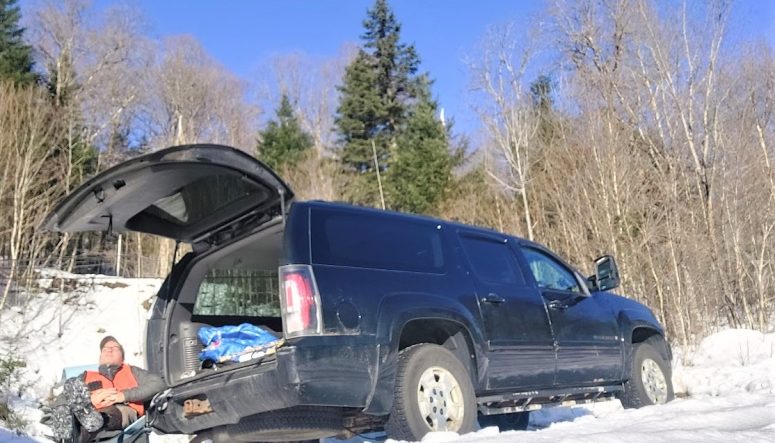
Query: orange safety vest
<point x="123" y="380"/>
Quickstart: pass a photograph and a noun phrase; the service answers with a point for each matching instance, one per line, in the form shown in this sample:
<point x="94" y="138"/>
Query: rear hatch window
<point x="201" y="198"/>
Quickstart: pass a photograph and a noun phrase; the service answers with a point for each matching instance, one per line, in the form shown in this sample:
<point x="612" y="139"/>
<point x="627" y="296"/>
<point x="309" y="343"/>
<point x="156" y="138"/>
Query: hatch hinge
<point x="282" y="204"/>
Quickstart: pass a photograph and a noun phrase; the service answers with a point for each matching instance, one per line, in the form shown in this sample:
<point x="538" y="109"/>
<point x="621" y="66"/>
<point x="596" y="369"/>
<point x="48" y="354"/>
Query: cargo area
<point x="228" y="286"/>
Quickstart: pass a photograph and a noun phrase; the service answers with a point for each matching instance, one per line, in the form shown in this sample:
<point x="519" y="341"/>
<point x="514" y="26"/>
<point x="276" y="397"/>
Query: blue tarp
<point x="229" y="342"/>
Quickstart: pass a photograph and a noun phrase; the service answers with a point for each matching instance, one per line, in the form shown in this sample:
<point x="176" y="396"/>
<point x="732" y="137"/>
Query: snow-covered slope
<point x="730" y="378"/>
<point x="54" y="330"/>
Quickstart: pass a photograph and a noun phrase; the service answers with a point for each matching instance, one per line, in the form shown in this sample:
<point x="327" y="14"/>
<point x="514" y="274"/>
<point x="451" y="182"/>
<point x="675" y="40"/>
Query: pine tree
<point x="380" y="91"/>
<point x="395" y="64"/>
<point x="283" y="143"/>
<point x="361" y="115"/>
<point x="543" y="105"/>
<point x="15" y="55"/>
<point x="421" y="167"/>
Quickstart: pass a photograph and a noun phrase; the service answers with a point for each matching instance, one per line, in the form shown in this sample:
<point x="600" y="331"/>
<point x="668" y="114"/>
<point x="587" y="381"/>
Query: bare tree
<point x="507" y="114"/>
<point x="310" y="83"/>
<point x="28" y="128"/>
<point x="194" y="99"/>
<point x="95" y="60"/>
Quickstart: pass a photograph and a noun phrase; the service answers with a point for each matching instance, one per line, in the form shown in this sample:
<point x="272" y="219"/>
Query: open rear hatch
<point x="200" y="194"/>
<point x="186" y="193"/>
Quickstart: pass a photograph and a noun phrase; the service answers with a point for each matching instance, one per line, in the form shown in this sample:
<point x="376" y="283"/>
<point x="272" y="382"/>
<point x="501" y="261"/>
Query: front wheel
<point x="433" y="392"/>
<point x="649" y="382"/>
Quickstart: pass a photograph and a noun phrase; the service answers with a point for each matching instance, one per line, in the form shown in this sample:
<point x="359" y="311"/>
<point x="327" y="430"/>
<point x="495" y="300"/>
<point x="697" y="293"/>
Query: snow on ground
<point x="62" y="329"/>
<point x="728" y="381"/>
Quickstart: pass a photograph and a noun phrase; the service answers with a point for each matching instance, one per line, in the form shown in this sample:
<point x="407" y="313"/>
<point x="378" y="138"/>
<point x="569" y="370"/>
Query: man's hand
<point x="101" y="398"/>
<point x="118" y="397"/>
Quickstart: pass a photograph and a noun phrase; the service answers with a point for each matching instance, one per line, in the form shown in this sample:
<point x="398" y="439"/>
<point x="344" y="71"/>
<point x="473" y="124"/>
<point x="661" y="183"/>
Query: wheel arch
<point x="638" y="328"/>
<point x="435" y="320"/>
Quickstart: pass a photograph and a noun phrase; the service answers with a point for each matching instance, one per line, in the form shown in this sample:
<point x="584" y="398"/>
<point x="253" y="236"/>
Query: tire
<point x="433" y="392"/>
<point x="649" y="380"/>
<point x="516" y="421"/>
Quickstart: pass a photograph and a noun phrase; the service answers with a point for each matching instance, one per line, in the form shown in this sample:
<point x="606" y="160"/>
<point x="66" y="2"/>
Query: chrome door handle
<point x="556" y="305"/>
<point x="493" y="298"/>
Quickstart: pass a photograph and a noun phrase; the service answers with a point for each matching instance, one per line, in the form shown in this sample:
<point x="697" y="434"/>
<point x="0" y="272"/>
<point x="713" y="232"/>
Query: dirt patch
<point x="64" y="284"/>
<point x="114" y="285"/>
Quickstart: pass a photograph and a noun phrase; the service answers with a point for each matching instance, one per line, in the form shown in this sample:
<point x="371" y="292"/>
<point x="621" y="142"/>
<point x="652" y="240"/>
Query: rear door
<point x="519" y="340"/>
<point x="589" y="348"/>
<point x="185" y="193"/>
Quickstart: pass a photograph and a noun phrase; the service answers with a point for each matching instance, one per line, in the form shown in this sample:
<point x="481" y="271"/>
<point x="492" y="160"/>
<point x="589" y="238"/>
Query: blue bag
<point x="229" y="342"/>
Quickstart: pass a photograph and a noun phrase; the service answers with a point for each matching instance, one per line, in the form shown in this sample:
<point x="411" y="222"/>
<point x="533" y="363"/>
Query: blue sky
<point x="243" y="34"/>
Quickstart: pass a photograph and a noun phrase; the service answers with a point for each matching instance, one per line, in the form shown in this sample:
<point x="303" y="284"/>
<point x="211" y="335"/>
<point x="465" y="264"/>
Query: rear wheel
<point x="649" y="382"/>
<point x="433" y="392"/>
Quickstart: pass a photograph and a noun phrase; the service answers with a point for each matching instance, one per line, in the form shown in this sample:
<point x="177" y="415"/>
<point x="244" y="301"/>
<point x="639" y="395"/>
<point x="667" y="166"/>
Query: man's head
<point x="111" y="351"/>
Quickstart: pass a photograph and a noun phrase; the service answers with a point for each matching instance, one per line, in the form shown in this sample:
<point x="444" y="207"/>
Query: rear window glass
<point x="239" y="292"/>
<point x="205" y="196"/>
<point x="376" y="241"/>
<point x="492" y="261"/>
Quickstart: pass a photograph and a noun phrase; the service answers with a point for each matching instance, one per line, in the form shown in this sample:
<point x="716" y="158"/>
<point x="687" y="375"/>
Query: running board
<point x="534" y="400"/>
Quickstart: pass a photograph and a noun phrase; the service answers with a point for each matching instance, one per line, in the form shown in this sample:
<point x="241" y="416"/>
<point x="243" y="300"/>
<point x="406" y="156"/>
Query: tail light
<point x="300" y="301"/>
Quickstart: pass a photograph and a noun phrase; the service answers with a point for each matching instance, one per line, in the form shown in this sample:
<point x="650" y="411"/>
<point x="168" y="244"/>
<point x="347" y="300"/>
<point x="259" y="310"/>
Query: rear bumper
<point x="316" y="371"/>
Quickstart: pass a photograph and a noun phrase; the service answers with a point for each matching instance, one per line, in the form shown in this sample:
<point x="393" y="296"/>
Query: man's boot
<point x="79" y="399"/>
<point x="62" y="423"/>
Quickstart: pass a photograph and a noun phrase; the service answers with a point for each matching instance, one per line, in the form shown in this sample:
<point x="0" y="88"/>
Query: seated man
<point x="110" y="398"/>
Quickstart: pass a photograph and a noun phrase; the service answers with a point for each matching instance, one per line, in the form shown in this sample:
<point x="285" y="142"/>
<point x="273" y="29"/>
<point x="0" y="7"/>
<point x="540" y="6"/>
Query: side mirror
<point x="606" y="273"/>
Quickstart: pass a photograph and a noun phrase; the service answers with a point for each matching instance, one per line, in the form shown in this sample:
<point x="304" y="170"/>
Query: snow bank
<point x="728" y="362"/>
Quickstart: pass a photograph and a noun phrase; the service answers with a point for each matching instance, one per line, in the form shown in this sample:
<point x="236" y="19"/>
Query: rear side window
<point x="239" y="292"/>
<point x="375" y="241"/>
<point x="492" y="261"/>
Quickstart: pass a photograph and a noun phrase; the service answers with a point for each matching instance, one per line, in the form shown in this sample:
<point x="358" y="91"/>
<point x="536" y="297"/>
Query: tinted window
<point x="549" y="273"/>
<point x="243" y="292"/>
<point x="376" y="241"/>
<point x="204" y="197"/>
<point x="492" y="261"/>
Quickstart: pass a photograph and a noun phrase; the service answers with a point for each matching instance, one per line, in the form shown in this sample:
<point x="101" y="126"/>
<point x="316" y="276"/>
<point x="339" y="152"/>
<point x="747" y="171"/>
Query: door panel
<point x="589" y="349"/>
<point x="516" y="325"/>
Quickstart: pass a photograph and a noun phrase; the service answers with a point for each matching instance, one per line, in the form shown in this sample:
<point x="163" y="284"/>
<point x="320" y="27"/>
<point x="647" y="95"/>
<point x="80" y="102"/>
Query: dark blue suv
<point x="389" y="321"/>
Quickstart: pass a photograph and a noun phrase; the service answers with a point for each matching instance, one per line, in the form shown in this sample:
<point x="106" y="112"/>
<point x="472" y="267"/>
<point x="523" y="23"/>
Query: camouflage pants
<point x="76" y="405"/>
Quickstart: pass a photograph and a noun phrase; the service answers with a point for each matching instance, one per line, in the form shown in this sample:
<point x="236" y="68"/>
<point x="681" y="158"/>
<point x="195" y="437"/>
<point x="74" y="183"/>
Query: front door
<point x="589" y="348"/>
<point x="519" y="340"/>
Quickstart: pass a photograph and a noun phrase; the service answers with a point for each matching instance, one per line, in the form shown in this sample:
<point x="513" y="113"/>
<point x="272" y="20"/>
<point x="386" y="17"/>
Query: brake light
<point x="300" y="301"/>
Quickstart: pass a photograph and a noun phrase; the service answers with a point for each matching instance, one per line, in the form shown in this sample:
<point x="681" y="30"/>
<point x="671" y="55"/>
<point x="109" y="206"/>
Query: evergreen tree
<point x="15" y="55"/>
<point x="380" y="91"/>
<point x="360" y="115"/>
<point x="395" y="65"/>
<point x="283" y="142"/>
<point x="421" y="167"/>
<point x="543" y="105"/>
